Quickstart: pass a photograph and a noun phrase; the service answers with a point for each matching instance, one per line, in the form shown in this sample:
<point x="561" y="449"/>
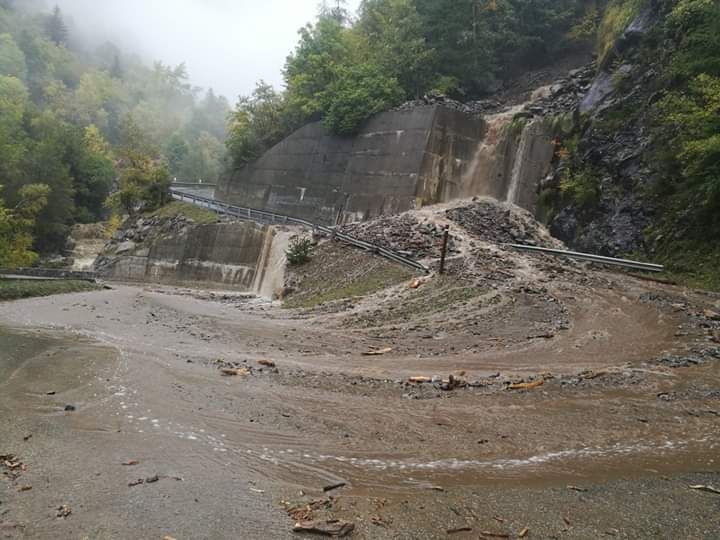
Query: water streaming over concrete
<point x="513" y="157"/>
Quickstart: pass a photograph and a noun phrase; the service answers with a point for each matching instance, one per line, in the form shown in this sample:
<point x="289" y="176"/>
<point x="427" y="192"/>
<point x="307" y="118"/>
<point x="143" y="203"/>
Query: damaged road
<point x="513" y="395"/>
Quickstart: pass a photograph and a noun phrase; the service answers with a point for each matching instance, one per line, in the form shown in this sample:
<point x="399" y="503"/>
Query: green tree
<point x="144" y="177"/>
<point x="93" y="172"/>
<point x="176" y="151"/>
<point x="359" y="92"/>
<point x="203" y="160"/>
<point x="16" y="226"/>
<point x="13" y="140"/>
<point x="56" y="29"/>
<point x="690" y="124"/>
<point x="394" y="36"/>
<point x="258" y="123"/>
<point x="46" y="162"/>
<point x="695" y="27"/>
<point x="12" y="59"/>
<point x="312" y="68"/>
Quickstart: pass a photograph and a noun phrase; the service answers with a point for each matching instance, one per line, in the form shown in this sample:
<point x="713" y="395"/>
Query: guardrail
<point x="647" y="267"/>
<point x="192" y="184"/>
<point x="48" y="273"/>
<point x="272" y="218"/>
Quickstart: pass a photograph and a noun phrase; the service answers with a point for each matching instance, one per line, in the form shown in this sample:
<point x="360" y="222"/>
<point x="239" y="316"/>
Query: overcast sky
<point x="227" y="44"/>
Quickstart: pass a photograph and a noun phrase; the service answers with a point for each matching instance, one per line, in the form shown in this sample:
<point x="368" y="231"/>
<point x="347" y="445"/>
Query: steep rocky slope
<point x="634" y="175"/>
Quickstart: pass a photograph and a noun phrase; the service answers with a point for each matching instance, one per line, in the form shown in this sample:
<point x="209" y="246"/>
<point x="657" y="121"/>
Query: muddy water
<point x="138" y="367"/>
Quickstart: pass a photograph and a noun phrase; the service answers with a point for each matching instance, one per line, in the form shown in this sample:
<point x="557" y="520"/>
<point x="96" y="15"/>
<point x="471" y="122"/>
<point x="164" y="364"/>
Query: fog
<point x="227" y="44"/>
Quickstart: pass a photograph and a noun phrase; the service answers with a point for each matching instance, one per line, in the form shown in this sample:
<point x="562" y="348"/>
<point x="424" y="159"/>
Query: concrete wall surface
<point x="231" y="255"/>
<point x="398" y="161"/>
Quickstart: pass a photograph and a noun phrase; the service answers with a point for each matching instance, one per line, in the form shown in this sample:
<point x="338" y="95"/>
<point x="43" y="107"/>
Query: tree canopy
<point x="345" y="70"/>
<point x="64" y="113"/>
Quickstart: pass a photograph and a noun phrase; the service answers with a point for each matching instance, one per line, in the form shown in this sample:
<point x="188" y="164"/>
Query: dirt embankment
<point x="513" y="392"/>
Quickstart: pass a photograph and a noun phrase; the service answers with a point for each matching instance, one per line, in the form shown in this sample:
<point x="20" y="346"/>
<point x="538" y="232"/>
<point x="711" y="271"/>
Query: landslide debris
<point x="500" y="223"/>
<point x="404" y="233"/>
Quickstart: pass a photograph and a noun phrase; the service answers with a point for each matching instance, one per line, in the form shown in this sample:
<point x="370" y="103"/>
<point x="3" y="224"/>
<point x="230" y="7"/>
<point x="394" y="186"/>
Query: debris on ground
<point x="524" y="533"/>
<point x="590" y="374"/>
<point x="420" y="379"/>
<point x="332" y="527"/>
<point x="527" y="385"/>
<point x="709" y="489"/>
<point x="63" y="511"/>
<point x="131" y="463"/>
<point x="235" y="372"/>
<point x="305" y="511"/>
<point x="577" y="488"/>
<point x="415" y="284"/>
<point x="379" y="521"/>
<point x="267" y="363"/>
<point x="12" y="466"/>
<point x="458" y="530"/>
<point x="70" y="408"/>
<point x="334" y="486"/>
<point x="377" y="352"/>
<point x="403" y="233"/>
<point x="501" y="223"/>
<point x="25" y="488"/>
<point x="488" y="534"/>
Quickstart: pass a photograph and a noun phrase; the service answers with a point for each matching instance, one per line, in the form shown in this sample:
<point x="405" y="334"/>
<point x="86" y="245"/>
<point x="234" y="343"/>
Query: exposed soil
<point x="238" y="412"/>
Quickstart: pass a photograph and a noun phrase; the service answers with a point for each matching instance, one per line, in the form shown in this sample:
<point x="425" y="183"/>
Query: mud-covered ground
<point x="142" y="369"/>
<point x="582" y="404"/>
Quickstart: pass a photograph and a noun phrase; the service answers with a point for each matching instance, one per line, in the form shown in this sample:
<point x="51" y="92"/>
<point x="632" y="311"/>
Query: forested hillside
<point x="638" y="174"/>
<point x="346" y="69"/>
<point x="76" y="121"/>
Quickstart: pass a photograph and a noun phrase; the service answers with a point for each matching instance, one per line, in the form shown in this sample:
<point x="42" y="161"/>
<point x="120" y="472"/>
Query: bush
<point x="299" y="251"/>
<point x="581" y="187"/>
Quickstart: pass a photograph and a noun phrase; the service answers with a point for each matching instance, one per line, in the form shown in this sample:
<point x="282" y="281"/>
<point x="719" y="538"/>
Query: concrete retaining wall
<point x="399" y="161"/>
<point x="228" y="255"/>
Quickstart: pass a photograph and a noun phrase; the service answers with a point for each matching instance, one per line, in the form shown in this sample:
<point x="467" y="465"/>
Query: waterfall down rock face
<point x="512" y="159"/>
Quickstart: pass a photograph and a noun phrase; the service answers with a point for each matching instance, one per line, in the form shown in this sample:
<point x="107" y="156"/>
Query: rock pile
<point x="564" y="96"/>
<point x="438" y="99"/>
<point x="497" y="222"/>
<point x="402" y="233"/>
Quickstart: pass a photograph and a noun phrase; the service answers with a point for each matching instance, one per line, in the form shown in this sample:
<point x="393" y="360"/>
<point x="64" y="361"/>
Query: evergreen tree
<point x="56" y="28"/>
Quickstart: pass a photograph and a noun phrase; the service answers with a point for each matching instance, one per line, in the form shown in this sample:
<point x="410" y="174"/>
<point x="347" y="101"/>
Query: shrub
<point x="299" y="251"/>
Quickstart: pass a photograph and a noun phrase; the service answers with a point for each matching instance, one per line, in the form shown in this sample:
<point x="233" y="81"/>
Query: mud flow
<point x="152" y="412"/>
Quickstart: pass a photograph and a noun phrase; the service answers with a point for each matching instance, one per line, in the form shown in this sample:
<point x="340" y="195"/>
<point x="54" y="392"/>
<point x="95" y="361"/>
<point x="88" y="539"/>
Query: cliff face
<point x="597" y="198"/>
<point x="234" y="255"/>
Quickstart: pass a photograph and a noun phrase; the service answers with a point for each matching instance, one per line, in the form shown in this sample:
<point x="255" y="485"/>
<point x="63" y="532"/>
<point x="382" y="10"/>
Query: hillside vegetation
<point x="641" y="175"/>
<point x="346" y="69"/>
<point x="76" y="122"/>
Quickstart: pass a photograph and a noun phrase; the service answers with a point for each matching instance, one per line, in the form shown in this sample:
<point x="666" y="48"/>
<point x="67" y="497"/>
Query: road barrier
<point x="272" y="218"/>
<point x="635" y="265"/>
<point x="47" y="273"/>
